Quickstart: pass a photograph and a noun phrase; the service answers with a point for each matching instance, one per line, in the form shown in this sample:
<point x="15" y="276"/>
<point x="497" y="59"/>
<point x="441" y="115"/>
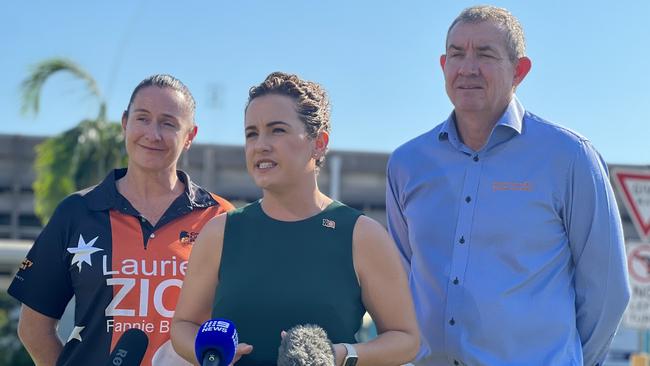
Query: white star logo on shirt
<point x="83" y="251"/>
<point x="76" y="333"/>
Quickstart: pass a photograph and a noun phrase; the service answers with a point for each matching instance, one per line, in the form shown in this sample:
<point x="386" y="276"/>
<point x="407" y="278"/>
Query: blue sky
<point x="377" y="59"/>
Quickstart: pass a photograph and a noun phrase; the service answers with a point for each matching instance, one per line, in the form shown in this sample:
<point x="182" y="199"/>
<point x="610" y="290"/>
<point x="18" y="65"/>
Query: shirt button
<point x="456" y="281"/>
<point x="152" y="236"/>
<point x="476" y="158"/>
<point x="462" y="240"/>
<point x="452" y="321"/>
<point x="142" y="219"/>
<point x="468" y="199"/>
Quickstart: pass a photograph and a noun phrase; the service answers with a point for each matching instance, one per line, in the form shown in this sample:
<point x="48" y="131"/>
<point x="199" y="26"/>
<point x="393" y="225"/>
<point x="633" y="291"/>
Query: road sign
<point x="637" y="314"/>
<point x="634" y="186"/>
<point x="638" y="263"/>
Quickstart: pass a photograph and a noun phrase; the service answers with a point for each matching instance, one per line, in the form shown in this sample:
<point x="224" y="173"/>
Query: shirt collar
<point x="513" y="115"/>
<point x="105" y="196"/>
<point x="512" y="118"/>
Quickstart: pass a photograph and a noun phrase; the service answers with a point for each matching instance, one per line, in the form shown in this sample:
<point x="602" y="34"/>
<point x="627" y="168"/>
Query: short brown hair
<point x="312" y="102"/>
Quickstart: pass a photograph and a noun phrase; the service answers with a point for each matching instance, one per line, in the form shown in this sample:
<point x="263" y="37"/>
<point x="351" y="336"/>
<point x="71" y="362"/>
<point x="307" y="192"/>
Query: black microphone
<point x="130" y="349"/>
<point x="306" y="345"/>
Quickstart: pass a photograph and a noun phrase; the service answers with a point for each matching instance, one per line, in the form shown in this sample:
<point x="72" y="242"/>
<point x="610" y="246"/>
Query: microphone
<point x="216" y="343"/>
<point x="306" y="345"/>
<point x="130" y="349"/>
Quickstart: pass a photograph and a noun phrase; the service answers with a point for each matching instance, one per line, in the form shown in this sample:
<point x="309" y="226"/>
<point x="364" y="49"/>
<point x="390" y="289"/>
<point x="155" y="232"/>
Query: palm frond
<point x="77" y="158"/>
<point x="32" y="86"/>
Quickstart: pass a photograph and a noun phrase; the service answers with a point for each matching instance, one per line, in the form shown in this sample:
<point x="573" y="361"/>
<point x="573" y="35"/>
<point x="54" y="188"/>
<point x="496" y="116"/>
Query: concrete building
<point x="352" y="177"/>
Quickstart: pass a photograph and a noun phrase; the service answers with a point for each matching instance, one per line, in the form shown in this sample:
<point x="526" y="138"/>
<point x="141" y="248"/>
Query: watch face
<point x="350" y="361"/>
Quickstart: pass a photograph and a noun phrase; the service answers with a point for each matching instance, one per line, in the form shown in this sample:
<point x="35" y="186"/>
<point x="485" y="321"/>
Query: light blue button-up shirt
<point x="515" y="253"/>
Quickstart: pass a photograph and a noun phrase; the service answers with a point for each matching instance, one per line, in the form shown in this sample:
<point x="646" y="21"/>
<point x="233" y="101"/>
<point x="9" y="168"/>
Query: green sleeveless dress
<point x="277" y="274"/>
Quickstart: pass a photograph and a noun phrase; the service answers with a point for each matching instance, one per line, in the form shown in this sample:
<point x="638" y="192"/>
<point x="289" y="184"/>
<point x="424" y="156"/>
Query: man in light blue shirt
<point x="507" y="223"/>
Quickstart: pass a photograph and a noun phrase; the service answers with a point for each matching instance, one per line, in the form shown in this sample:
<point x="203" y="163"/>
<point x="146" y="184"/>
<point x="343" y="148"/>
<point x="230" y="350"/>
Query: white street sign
<point x="634" y="186"/>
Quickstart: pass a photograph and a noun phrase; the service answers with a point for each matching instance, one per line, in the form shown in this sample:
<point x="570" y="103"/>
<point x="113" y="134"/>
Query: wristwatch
<point x="351" y="358"/>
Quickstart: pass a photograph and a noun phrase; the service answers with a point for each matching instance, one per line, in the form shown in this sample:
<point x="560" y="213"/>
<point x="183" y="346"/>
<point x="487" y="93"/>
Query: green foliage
<point x="12" y="352"/>
<point x="76" y="158"/>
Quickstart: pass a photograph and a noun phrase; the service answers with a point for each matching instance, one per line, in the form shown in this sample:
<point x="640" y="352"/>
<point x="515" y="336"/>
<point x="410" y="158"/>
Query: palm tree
<point x="78" y="157"/>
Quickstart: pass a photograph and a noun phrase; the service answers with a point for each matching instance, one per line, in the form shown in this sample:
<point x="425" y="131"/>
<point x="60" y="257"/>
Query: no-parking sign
<point x="637" y="314"/>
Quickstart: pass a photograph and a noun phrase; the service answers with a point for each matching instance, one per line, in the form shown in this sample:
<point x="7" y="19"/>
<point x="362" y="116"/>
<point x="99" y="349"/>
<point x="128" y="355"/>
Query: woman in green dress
<point x="296" y="256"/>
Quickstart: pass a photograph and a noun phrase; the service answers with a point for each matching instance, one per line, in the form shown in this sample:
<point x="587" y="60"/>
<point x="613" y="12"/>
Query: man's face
<point x="480" y="77"/>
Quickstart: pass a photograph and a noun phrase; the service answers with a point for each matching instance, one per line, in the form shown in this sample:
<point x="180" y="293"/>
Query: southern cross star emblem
<point x="76" y="333"/>
<point x="83" y="251"/>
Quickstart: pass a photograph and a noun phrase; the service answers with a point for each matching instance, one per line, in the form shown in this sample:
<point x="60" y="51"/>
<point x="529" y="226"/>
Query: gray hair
<point x="515" y="42"/>
<point x="165" y="81"/>
<point x="306" y="345"/>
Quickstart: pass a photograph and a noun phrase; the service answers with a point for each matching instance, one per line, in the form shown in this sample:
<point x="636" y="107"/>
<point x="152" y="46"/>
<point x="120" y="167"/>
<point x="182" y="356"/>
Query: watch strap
<point x="351" y="357"/>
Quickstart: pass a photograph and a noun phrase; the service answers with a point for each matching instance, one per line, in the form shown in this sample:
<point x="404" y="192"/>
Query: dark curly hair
<point x="312" y="103"/>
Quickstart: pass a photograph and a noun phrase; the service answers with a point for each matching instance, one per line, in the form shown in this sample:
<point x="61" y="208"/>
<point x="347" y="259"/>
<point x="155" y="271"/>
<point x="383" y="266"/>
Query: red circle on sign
<point x="638" y="263"/>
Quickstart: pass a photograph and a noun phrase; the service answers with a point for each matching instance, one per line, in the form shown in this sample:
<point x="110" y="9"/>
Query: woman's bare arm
<point x="386" y="296"/>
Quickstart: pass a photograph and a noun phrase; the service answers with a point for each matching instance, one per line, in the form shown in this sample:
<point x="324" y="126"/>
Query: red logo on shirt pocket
<point x="512" y="186"/>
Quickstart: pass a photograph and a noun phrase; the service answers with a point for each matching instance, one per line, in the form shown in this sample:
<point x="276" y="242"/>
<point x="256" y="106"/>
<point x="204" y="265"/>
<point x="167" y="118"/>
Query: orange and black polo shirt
<point x="124" y="272"/>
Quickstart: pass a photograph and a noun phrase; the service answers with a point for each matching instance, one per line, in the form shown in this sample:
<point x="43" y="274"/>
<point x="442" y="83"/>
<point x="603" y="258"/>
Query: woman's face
<point x="157" y="129"/>
<point x="279" y="152"/>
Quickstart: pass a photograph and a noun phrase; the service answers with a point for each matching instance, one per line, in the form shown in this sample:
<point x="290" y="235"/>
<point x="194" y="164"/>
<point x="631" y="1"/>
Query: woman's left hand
<point x="242" y="349"/>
